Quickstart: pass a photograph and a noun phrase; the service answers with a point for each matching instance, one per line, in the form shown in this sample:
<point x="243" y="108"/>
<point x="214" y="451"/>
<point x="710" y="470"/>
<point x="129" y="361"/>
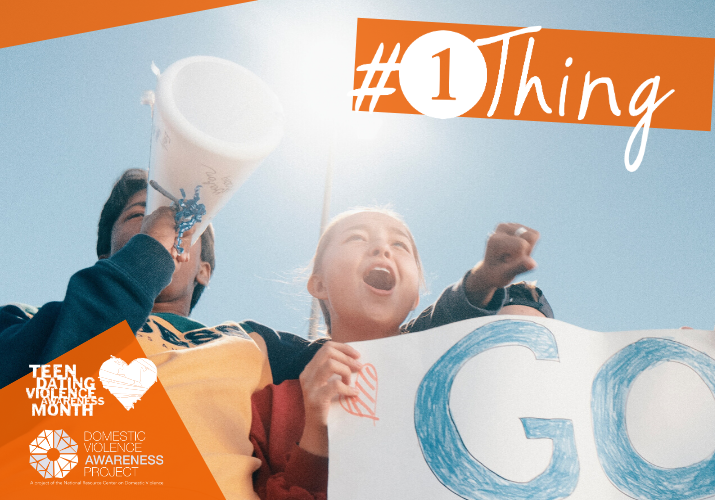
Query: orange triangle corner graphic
<point x="142" y="452"/>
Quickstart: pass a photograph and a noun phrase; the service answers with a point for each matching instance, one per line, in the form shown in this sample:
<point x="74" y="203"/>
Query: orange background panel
<point x="685" y="64"/>
<point x="34" y="20"/>
<point x="184" y="473"/>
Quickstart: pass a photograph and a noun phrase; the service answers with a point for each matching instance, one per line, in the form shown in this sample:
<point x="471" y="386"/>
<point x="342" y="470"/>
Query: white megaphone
<point x="213" y="123"/>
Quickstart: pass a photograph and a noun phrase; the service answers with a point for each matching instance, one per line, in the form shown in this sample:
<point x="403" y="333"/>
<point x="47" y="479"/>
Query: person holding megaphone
<point x="141" y="277"/>
<point x="151" y="275"/>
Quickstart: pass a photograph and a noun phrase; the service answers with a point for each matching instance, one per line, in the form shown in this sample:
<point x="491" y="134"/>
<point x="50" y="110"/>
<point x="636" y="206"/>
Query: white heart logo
<point x="127" y="383"/>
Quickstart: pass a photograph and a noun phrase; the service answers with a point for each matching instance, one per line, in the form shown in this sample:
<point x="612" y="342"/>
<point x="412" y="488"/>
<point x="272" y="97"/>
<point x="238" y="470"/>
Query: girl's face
<point x="368" y="276"/>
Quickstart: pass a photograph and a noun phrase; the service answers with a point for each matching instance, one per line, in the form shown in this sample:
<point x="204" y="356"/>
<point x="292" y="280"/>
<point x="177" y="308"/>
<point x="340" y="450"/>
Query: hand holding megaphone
<point x="161" y="226"/>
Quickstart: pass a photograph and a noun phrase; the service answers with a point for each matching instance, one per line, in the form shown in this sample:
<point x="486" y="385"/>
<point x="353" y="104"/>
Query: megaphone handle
<point x="163" y="191"/>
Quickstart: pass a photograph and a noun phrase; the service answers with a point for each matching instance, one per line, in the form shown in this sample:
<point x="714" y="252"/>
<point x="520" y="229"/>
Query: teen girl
<point x="367" y="275"/>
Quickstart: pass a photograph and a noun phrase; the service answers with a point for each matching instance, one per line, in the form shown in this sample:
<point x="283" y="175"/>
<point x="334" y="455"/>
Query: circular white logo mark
<point x="443" y="74"/>
<point x="53" y="453"/>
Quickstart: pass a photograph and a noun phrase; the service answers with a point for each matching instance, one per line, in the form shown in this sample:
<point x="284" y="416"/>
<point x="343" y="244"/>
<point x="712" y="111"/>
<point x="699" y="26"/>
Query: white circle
<point x="220" y="107"/>
<point x="422" y="68"/>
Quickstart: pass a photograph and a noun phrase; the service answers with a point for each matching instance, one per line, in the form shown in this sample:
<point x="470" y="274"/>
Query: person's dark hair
<point x="530" y="295"/>
<point x="129" y="183"/>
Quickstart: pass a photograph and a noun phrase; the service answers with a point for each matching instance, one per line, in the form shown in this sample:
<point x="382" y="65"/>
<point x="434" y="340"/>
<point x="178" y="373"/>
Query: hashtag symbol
<point x="371" y="69"/>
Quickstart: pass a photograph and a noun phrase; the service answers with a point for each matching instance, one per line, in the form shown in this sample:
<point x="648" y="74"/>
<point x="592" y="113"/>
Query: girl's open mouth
<point x="380" y="278"/>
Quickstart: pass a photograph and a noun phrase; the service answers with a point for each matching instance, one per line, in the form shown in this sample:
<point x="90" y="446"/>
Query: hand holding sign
<point x="507" y="255"/>
<point x="326" y="377"/>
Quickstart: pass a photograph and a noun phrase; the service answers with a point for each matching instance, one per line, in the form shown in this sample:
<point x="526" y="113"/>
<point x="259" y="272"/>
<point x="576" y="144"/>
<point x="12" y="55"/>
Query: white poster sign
<point x="497" y="408"/>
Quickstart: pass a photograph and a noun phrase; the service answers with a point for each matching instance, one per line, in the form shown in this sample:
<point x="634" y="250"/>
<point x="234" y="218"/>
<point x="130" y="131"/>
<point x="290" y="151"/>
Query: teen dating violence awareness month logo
<point x="127" y="383"/>
<point x="53" y="453"/>
<point x="448" y="70"/>
<point x="59" y="391"/>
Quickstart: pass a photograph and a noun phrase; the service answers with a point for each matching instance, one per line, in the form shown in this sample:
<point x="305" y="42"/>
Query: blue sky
<point x="619" y="250"/>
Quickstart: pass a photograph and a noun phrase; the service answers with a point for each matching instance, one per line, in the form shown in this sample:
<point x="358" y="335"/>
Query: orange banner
<point x="34" y="20"/>
<point x="446" y="70"/>
<point x="96" y="423"/>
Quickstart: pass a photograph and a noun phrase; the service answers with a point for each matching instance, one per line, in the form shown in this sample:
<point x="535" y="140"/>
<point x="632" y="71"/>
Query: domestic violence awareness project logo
<point x="448" y="70"/>
<point x="53" y="453"/>
<point x="115" y="454"/>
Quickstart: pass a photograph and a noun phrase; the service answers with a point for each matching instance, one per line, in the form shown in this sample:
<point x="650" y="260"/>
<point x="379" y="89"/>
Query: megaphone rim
<point x="167" y="108"/>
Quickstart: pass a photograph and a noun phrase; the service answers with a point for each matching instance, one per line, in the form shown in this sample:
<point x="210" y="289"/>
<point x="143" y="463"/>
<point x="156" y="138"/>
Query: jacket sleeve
<point x="120" y="288"/>
<point x="287" y="471"/>
<point x="287" y="353"/>
<point x="452" y="306"/>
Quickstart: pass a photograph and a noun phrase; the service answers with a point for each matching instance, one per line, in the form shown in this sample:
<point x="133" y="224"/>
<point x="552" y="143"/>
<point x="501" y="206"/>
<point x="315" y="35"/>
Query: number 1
<point x="444" y="94"/>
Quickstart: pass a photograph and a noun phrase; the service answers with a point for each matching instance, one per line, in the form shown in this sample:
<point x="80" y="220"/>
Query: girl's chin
<point x="373" y="335"/>
<point x="365" y="330"/>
